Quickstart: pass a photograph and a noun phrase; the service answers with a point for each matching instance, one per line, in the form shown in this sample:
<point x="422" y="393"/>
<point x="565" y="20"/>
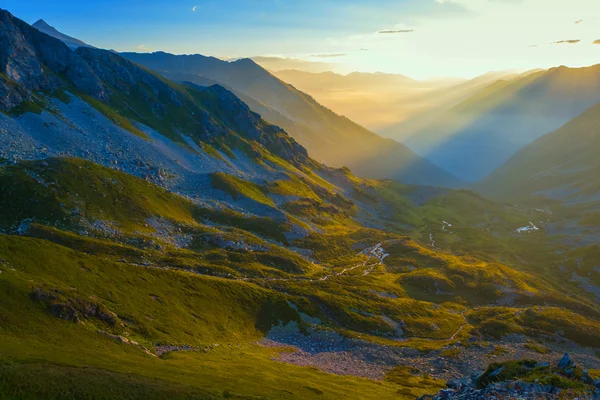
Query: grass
<point x="451" y="353"/>
<point x="200" y="299"/>
<point x="415" y="381"/>
<point x="35" y="107"/>
<point x="247" y="372"/>
<point x="46" y="357"/>
<point x="236" y="187"/>
<point x="114" y="116"/>
<point x="293" y="187"/>
<point x="538" y="348"/>
<point x="530" y="371"/>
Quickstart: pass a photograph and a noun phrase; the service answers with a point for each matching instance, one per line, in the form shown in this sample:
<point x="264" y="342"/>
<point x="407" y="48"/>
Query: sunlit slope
<point x="112" y="216"/>
<point x="109" y="269"/>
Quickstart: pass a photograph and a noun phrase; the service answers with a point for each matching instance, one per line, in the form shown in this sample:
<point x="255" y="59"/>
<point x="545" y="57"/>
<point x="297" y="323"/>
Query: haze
<point x="420" y="38"/>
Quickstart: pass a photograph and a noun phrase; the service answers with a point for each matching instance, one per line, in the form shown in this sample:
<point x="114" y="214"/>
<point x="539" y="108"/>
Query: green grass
<point x="163" y="294"/>
<point x="114" y="116"/>
<point x="292" y="187"/>
<point x="152" y="306"/>
<point x="538" y="348"/>
<point x="236" y="187"/>
<point x="415" y="381"/>
<point x="35" y="107"/>
<point x="529" y="371"/>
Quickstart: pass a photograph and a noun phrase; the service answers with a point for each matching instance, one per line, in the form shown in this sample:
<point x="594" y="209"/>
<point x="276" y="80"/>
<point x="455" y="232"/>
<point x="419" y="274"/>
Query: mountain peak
<point x="48" y="29"/>
<point x="246" y="62"/>
<point x="41" y="23"/>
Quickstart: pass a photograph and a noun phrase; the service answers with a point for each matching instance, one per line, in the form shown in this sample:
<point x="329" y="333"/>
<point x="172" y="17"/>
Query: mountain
<point x="73" y="43"/>
<point x="375" y="101"/>
<point x="562" y="165"/>
<point x="158" y="239"/>
<point x="314" y="126"/>
<point x="478" y="135"/>
<point x="329" y="138"/>
<point x="435" y="103"/>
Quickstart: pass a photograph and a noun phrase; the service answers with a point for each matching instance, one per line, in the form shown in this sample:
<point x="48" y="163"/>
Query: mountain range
<point x="160" y="238"/>
<point x="330" y="138"/>
<point x="477" y="135"/>
<point x="562" y="165"/>
<point x="374" y="100"/>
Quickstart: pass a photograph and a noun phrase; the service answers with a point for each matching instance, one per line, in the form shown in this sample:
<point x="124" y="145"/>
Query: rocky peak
<point x="46" y="28"/>
<point x="40" y="23"/>
<point x="32" y="61"/>
<point x="35" y="60"/>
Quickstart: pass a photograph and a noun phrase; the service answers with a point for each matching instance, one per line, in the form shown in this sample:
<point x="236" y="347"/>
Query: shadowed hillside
<point x="482" y="132"/>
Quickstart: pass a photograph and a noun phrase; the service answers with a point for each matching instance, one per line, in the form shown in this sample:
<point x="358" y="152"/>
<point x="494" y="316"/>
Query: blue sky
<point x="420" y="38"/>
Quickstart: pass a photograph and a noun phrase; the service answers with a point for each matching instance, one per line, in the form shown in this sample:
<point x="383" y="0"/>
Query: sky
<point x="423" y="39"/>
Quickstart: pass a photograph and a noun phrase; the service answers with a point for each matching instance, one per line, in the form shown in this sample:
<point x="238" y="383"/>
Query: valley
<point x="182" y="227"/>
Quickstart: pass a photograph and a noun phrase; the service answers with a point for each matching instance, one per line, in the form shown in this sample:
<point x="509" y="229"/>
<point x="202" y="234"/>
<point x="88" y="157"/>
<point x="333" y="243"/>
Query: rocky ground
<point x="334" y="353"/>
<point x="479" y="386"/>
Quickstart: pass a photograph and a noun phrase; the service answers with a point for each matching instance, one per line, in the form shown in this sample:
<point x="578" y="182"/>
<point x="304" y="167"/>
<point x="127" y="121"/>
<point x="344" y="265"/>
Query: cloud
<point x="578" y="21"/>
<point x="194" y="8"/>
<point x="143" y="47"/>
<point x="331" y="55"/>
<point x="597" y="41"/>
<point x="572" y="41"/>
<point x="396" y="31"/>
<point x="533" y="45"/>
<point x="363" y="49"/>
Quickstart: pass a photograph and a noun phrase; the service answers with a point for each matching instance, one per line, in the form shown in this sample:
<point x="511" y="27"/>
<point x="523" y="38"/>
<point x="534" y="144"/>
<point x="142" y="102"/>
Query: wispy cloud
<point x="597" y="41"/>
<point x="396" y="31"/>
<point x="194" y="8"/>
<point x="330" y="55"/>
<point x="143" y="47"/>
<point x="578" y="21"/>
<point x="572" y="41"/>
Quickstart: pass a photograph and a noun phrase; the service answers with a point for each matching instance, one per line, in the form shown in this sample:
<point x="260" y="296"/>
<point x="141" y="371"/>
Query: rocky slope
<point x="160" y="240"/>
<point x="525" y="379"/>
<point x="98" y="105"/>
<point x="72" y="42"/>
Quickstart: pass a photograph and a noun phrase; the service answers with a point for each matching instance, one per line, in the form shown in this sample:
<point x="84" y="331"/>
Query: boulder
<point x="566" y="363"/>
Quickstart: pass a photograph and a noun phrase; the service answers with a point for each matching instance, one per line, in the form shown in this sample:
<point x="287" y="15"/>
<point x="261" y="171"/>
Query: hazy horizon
<point x="420" y="39"/>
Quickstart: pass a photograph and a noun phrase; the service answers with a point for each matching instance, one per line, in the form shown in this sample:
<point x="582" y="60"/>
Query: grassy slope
<point x="176" y="306"/>
<point x="200" y="300"/>
<point x="563" y="161"/>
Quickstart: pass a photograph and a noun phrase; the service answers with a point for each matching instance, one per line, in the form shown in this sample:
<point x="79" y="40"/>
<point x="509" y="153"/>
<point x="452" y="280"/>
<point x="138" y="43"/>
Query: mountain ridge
<point x="330" y="138"/>
<point x="72" y="42"/>
<point x="560" y="165"/>
<point x="483" y="131"/>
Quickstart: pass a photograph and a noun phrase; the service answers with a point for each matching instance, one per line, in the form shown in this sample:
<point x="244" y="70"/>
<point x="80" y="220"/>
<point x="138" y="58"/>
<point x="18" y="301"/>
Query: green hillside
<point x="160" y="310"/>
